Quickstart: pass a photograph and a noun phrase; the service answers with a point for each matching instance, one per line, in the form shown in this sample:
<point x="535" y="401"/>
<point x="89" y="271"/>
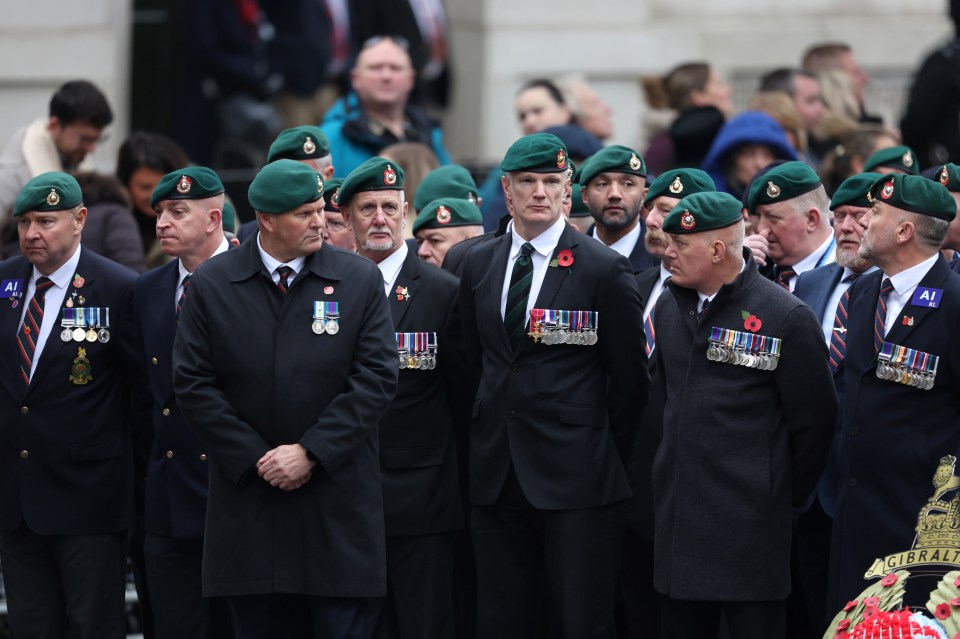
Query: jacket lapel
<point x="491" y="288"/>
<point x="404" y="291"/>
<point x="912" y="316"/>
<point x="556" y="276"/>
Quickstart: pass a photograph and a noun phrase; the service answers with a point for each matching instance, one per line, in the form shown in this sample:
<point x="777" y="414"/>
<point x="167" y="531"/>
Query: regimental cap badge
<point x="944" y="176"/>
<point x="389" y="176"/>
<point x="773" y="191"/>
<point x="309" y="146"/>
<point x="676" y="186"/>
<point x="471" y="197"/>
<point x="183" y="186"/>
<point x="53" y="198"/>
<point x="443" y="215"/>
<point x="887" y="191"/>
<point x="561" y="159"/>
<point x="687" y="221"/>
<point x="319" y="184"/>
<point x="869" y="196"/>
<point x="335" y="200"/>
<point x="635" y="163"/>
<point x="907" y="159"/>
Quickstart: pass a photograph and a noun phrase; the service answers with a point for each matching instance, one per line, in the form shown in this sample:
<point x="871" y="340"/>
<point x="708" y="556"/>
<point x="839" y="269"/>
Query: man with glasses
<point x="336" y="231"/>
<point x="60" y="142"/>
<point x="377" y="112"/>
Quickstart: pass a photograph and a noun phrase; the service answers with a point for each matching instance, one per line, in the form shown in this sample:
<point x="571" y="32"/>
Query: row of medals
<point x="330" y="327"/>
<point x="78" y="335"/>
<point x="904" y="375"/>
<point x="424" y="361"/>
<point x="726" y="355"/>
<point x="552" y="335"/>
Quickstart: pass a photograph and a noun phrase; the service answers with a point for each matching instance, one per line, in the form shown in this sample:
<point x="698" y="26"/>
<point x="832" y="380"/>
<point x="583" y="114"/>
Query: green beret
<point x="451" y="180"/>
<point x="579" y="208"/>
<point x="704" y="211"/>
<point x="229" y="216"/>
<point x="915" y="194"/>
<point x="376" y="174"/>
<point x="448" y="211"/>
<point x="332" y="188"/>
<point x="679" y="183"/>
<point x="855" y="191"/>
<point x="782" y="183"/>
<point x="284" y="185"/>
<point x="299" y="143"/>
<point x="612" y="159"/>
<point x="537" y="153"/>
<point x="53" y="191"/>
<point x="949" y="176"/>
<point x="896" y="157"/>
<point x="190" y="183"/>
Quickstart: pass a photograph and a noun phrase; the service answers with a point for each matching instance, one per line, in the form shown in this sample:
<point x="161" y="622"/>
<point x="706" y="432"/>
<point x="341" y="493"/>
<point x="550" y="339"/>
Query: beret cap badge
<point x="561" y="159"/>
<point x="53" y="198"/>
<point x="635" y="163"/>
<point x="944" y="176"/>
<point x="773" y="190"/>
<point x="676" y="186"/>
<point x="336" y="197"/>
<point x="887" y="191"/>
<point x="443" y="215"/>
<point x="183" y="186"/>
<point x="687" y="221"/>
<point x="309" y="146"/>
<point x="907" y="159"/>
<point x="389" y="176"/>
<point x="319" y="184"/>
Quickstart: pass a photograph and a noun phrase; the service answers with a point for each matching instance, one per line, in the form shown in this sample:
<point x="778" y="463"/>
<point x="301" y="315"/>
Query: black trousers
<point x="172" y="569"/>
<point x="519" y="549"/>
<point x="807" y="614"/>
<point x="701" y="619"/>
<point x="56" y="582"/>
<point x="638" y="604"/>
<point x="283" y="616"/>
<point x="419" y="601"/>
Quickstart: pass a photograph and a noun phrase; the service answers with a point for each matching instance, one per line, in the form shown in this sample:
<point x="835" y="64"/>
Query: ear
<point x="81" y="218"/>
<point x="906" y="231"/>
<point x="327" y="173"/>
<point x="505" y="184"/>
<point x="403" y="215"/>
<point x="53" y="126"/>
<point x="265" y="222"/>
<point x="215" y="221"/>
<point x="813" y="219"/>
<point x="717" y="250"/>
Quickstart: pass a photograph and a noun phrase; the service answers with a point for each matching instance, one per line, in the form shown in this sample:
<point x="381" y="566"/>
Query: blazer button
<point x="852" y="482"/>
<point x="854" y="430"/>
<point x="153" y="360"/>
<point x="24" y="454"/>
<point x="24" y="410"/>
<point x="169" y="454"/>
<point x="514" y="368"/>
<point x="203" y="457"/>
<point x="165" y="412"/>
<point x="511" y="414"/>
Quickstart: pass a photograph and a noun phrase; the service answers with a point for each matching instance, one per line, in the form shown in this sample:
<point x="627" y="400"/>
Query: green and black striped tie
<point x="514" y="318"/>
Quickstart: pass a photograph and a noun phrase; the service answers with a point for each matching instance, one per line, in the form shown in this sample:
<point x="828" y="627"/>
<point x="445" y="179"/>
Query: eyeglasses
<point x="336" y="226"/>
<point x="400" y="41"/>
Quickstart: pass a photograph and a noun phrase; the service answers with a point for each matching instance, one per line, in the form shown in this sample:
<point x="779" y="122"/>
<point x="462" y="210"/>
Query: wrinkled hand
<point x="758" y="244"/>
<point x="286" y="467"/>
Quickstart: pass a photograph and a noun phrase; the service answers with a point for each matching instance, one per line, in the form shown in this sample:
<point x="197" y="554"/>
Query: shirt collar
<point x="905" y="281"/>
<point x="701" y="296"/>
<point x="273" y="263"/>
<point x="543" y="243"/>
<point x="812" y="260"/>
<point x="63" y="275"/>
<point x="624" y="246"/>
<point x="224" y="246"/>
<point x="390" y="265"/>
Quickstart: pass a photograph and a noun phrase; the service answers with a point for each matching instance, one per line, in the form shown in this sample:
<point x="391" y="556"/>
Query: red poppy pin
<point x="843" y="625"/>
<point x="871" y="602"/>
<point x="889" y="580"/>
<point x="942" y="611"/>
<point x="955" y="602"/>
<point x="750" y="321"/>
<point x="850" y="605"/>
<point x="564" y="258"/>
<point x="328" y="290"/>
<point x="402" y="293"/>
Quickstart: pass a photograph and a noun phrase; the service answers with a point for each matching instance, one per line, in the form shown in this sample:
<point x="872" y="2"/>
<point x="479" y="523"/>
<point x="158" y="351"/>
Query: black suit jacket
<point x="418" y="456"/>
<point x="564" y="416"/>
<point x="250" y="375"/>
<point x="892" y="435"/>
<point x="174" y="463"/>
<point x="66" y="462"/>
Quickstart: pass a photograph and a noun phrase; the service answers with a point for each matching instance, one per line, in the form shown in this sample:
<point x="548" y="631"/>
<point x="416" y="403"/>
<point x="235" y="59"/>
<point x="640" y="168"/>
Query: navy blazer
<point x="170" y="456"/>
<point x="66" y="462"/>
<point x="892" y="435"/>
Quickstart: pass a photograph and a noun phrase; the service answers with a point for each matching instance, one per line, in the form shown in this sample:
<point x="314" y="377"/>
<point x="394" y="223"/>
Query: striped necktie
<point x="284" y="282"/>
<point x="881" y="317"/>
<point x="838" y="337"/>
<point x="183" y="295"/>
<point x="649" y="332"/>
<point x="30" y="329"/>
<point x="784" y="276"/>
<point x="514" y="317"/>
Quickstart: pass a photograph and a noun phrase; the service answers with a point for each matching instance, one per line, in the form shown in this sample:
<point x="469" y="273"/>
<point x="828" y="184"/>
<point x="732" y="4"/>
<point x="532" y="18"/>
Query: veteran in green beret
<point x="901" y="408"/>
<point x="949" y="176"/>
<point x="731" y="345"/>
<point x="895" y="159"/>
<point x="579" y="215"/>
<point x="791" y="212"/>
<point x="307" y="144"/>
<point x="444" y="223"/>
<point x="450" y="181"/>
<point x="418" y="463"/>
<point x="284" y="363"/>
<point x="336" y="231"/>
<point x="67" y="480"/>
<point x="555" y="406"/>
<point x="614" y="183"/>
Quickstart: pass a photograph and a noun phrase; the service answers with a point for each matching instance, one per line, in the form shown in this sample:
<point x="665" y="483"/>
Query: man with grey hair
<point x="793" y="214"/>
<point x="590" y="112"/>
<point x="901" y="410"/>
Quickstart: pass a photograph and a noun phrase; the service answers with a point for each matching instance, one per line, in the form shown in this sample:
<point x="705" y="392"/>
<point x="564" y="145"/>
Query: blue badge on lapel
<point x="11" y="289"/>
<point x="927" y="297"/>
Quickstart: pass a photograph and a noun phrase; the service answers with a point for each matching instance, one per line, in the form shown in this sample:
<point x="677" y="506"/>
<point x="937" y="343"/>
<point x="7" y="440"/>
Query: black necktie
<point x="703" y="309"/>
<point x="284" y="282"/>
<point x="514" y="317"/>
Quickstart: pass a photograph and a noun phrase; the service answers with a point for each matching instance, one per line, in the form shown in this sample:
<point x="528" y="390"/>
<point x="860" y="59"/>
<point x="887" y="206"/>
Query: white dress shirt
<point x="273" y="263"/>
<point x="826" y="253"/>
<point x="625" y="245"/>
<point x="224" y="245"/>
<point x="830" y="312"/>
<point x="904" y="283"/>
<point x="543" y="247"/>
<point x="390" y="267"/>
